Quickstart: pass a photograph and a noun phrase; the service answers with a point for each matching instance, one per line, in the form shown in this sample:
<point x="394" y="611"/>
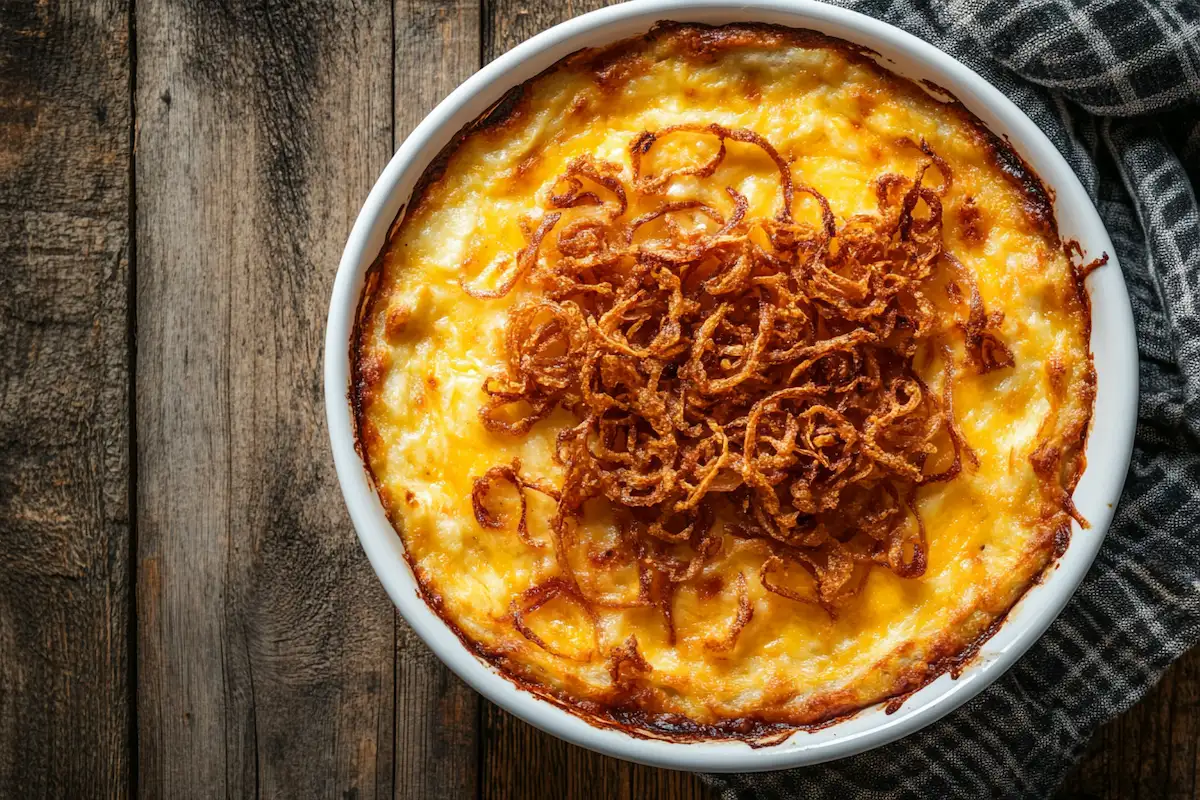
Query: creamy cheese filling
<point x="427" y="347"/>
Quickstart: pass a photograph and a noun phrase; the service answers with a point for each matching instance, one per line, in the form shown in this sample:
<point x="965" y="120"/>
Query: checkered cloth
<point x="1116" y="85"/>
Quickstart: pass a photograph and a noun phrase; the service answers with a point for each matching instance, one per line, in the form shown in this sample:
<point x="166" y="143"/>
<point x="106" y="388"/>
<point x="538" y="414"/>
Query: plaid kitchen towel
<point x="1116" y="85"/>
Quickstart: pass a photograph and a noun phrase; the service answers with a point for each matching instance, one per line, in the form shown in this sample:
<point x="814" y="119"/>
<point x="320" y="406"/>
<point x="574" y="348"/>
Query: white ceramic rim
<point x="1108" y="451"/>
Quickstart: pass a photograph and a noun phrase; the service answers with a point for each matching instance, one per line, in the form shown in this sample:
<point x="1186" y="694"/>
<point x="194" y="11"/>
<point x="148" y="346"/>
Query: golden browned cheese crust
<point x="424" y="348"/>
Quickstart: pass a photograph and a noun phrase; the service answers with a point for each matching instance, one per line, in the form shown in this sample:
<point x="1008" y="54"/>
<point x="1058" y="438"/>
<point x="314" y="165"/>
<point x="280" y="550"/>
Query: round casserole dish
<point x="1112" y="344"/>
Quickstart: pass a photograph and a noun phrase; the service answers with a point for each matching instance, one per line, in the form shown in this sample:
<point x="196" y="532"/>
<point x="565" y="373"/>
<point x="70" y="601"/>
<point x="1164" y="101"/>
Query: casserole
<point x="1112" y="345"/>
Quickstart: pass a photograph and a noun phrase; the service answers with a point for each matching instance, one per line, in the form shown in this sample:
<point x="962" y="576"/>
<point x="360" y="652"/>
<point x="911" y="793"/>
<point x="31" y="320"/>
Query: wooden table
<point x="184" y="609"/>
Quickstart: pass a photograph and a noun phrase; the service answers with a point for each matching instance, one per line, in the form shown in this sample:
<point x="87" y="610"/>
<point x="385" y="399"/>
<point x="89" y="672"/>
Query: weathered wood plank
<point x="507" y="23"/>
<point x="266" y="645"/>
<point x="1183" y="741"/>
<point x="436" y="47"/>
<point x="520" y="761"/>
<point x="64" y="373"/>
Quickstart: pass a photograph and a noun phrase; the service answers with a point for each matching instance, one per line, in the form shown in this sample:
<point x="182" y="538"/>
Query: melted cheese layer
<point x="426" y="347"/>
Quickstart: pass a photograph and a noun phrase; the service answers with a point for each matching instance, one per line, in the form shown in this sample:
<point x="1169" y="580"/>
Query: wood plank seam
<point x="131" y="410"/>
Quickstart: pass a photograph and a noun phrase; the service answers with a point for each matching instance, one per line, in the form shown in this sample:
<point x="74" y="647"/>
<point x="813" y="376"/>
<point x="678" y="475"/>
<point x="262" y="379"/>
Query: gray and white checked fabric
<point x="1116" y="85"/>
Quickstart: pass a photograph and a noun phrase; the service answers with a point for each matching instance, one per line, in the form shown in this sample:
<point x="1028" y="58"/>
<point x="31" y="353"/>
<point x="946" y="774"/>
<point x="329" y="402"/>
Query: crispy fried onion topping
<point x="510" y="474"/>
<point x="754" y="369"/>
<point x="536" y="597"/>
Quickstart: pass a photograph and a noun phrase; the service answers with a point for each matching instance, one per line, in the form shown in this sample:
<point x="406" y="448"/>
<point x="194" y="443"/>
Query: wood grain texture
<point x="64" y="436"/>
<point x="521" y="763"/>
<point x="507" y="23"/>
<point x="436" y="47"/>
<point x="266" y="644"/>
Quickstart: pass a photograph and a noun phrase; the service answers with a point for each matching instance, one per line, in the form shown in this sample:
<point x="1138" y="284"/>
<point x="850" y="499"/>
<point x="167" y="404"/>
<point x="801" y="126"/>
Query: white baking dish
<point x="1108" y="449"/>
